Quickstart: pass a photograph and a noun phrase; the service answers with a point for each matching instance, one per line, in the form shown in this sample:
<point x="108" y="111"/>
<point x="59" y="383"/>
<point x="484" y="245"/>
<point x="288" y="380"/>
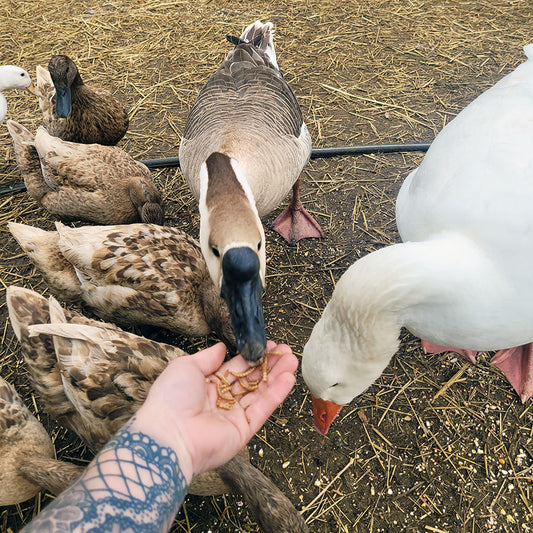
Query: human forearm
<point x="133" y="484"/>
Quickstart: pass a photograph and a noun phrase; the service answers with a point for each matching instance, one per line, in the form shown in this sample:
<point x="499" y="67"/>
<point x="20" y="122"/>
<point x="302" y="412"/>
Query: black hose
<point x="319" y="153"/>
<point x="316" y="153"/>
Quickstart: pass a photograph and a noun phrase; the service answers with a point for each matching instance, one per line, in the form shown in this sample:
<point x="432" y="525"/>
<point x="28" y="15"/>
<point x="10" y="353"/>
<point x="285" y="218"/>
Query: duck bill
<point x="32" y="89"/>
<point x="324" y="413"/>
<point x="63" y="102"/>
<point x="246" y="311"/>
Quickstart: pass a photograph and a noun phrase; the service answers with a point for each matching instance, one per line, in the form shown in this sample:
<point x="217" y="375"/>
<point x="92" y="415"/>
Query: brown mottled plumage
<point x="102" y="184"/>
<point x="106" y="374"/>
<point x="130" y="274"/>
<point x="96" y="116"/>
<point x="27" y="462"/>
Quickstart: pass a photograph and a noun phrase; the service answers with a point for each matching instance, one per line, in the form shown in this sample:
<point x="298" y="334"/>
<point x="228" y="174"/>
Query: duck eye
<point x="334" y="385"/>
<point x="22" y="74"/>
<point x="215" y="251"/>
<point x="259" y="246"/>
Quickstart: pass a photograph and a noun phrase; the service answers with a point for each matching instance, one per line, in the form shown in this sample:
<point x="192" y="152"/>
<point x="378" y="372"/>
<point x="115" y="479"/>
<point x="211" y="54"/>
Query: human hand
<point x="181" y="409"/>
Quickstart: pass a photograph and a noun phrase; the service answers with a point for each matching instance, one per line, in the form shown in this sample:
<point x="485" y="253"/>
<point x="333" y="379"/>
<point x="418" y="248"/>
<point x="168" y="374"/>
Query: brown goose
<point x="130" y="274"/>
<point x="102" y="184"/>
<point x="94" y="376"/>
<point x="74" y="111"/>
<point x="243" y="148"/>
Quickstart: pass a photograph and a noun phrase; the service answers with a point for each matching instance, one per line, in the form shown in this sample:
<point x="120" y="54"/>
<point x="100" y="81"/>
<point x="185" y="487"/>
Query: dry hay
<point x="436" y="444"/>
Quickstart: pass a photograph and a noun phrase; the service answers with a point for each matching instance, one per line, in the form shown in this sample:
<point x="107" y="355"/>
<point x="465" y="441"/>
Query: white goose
<point x="462" y="276"/>
<point x="11" y="77"/>
<point x="243" y="148"/>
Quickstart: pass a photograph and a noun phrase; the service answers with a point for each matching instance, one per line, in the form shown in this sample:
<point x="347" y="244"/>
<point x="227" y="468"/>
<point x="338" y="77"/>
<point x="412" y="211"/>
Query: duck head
<point x="64" y="74"/>
<point x="13" y="77"/>
<point x="233" y="244"/>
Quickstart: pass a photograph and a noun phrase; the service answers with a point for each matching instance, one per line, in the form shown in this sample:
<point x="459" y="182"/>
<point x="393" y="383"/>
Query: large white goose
<point x="462" y="276"/>
<point x="243" y="148"/>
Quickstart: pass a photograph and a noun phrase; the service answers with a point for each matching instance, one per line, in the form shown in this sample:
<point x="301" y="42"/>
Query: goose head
<point x="64" y="74"/>
<point x="351" y="344"/>
<point x="233" y="244"/>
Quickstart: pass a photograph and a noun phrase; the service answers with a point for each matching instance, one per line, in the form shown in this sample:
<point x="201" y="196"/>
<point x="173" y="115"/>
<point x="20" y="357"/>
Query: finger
<point x="210" y="359"/>
<point x="285" y="361"/>
<point x="271" y="346"/>
<point x="274" y="352"/>
<point x="268" y="400"/>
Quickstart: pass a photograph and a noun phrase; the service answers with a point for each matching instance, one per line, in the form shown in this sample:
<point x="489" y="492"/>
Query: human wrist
<point x="150" y="422"/>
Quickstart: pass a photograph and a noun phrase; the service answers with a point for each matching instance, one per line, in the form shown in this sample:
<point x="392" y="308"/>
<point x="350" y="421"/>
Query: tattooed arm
<point x="139" y="479"/>
<point x="132" y="485"/>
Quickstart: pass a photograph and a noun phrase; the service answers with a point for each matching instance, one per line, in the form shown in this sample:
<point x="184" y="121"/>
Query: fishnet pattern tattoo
<point x="135" y="486"/>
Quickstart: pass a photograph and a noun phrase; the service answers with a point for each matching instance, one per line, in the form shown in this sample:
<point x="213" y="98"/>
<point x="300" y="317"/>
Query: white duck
<point x="243" y="148"/>
<point x="11" y="77"/>
<point x="462" y="275"/>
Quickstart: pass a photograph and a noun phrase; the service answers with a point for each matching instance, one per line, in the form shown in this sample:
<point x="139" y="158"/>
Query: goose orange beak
<point x="324" y="413"/>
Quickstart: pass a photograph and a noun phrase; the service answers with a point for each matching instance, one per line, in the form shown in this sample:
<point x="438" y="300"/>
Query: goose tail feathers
<point x="262" y="36"/>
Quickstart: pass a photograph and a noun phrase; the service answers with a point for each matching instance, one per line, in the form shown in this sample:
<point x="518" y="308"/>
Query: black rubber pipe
<point x="316" y="153"/>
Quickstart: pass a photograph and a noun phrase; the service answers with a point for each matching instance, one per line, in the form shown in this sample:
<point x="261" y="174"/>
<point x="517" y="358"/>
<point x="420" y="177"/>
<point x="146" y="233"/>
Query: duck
<point x="90" y="182"/>
<point x="243" y="148"/>
<point x="130" y="274"/>
<point x="461" y="275"/>
<point x="92" y="377"/>
<point x="12" y="77"/>
<point x="27" y="455"/>
<point x="75" y="111"/>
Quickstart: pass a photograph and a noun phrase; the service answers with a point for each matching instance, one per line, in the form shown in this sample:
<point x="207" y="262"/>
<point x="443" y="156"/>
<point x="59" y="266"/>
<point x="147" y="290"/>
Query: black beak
<point x="63" y="101"/>
<point x="242" y="290"/>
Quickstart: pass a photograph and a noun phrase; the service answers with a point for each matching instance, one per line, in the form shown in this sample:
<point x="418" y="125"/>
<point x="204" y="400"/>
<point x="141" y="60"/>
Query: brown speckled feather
<point x="106" y="372"/>
<point x="21" y="436"/>
<point x="131" y="274"/>
<point x="26" y="307"/>
<point x="102" y="184"/>
<point x="27" y="463"/>
<point x="96" y="116"/>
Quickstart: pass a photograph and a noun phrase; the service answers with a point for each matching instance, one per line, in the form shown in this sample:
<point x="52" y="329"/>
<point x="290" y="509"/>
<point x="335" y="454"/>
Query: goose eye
<point x="215" y="251"/>
<point x="259" y="246"/>
<point x="22" y="74"/>
<point x="334" y="385"/>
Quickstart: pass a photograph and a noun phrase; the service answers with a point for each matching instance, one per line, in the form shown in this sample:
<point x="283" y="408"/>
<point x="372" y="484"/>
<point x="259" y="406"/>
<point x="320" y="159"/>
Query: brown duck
<point x="74" y="111"/>
<point x="27" y="463"/>
<point x="130" y="274"/>
<point x="101" y="184"/>
<point x="93" y="376"/>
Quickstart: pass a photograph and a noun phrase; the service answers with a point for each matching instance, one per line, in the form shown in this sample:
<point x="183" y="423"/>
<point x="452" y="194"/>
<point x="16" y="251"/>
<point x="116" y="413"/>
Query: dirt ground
<point x="436" y="444"/>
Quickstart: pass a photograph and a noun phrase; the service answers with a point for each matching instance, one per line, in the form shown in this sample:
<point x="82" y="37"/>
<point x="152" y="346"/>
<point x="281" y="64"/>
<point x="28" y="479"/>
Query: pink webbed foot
<point x="469" y="355"/>
<point x="517" y="366"/>
<point x="295" y="223"/>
